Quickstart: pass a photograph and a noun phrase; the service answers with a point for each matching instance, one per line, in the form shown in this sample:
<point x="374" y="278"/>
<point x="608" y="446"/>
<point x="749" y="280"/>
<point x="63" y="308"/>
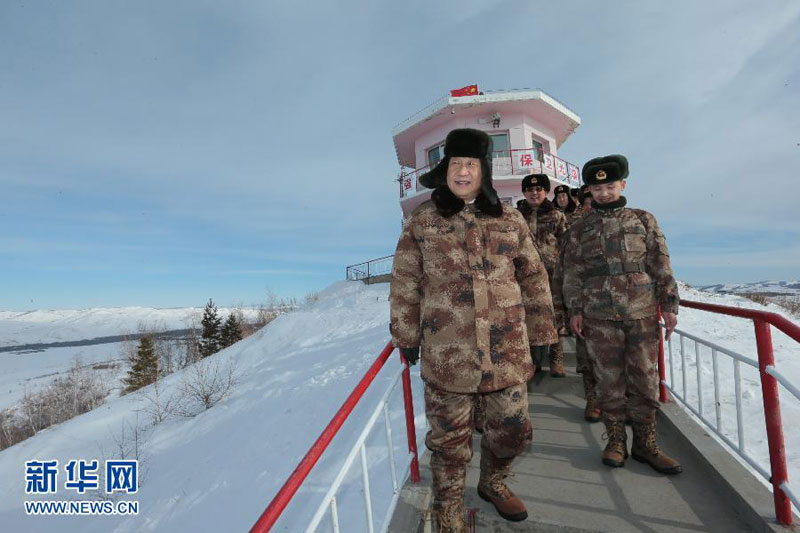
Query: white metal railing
<point x="717" y="427"/>
<point x="359" y="450"/>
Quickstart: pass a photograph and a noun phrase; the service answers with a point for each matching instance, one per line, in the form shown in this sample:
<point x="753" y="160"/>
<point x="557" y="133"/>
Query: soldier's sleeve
<point x="561" y="229"/>
<point x="405" y="292"/>
<point x="572" y="285"/>
<point x="534" y="284"/>
<point x="556" y="285"/>
<point x="658" y="266"/>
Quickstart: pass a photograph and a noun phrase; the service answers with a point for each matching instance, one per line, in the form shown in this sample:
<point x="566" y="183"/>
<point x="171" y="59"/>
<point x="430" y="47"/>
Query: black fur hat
<point x="464" y="142"/>
<point x="536" y="179"/>
<point x="605" y="169"/>
<point x="574" y="192"/>
<point x="583" y="192"/>
<point x="570" y="202"/>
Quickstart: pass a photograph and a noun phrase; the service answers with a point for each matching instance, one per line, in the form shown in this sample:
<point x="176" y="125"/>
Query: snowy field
<point x="49" y="326"/>
<point x="29" y="371"/>
<point x="216" y="471"/>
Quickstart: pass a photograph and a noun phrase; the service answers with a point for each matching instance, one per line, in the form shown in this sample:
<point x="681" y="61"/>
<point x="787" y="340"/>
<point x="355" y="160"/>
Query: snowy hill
<point x="217" y="470"/>
<point x="768" y="288"/>
<point x="48" y="326"/>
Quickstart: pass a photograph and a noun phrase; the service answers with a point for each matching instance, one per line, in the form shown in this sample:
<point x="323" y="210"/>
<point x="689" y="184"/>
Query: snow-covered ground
<point x="29" y="371"/>
<point x="49" y="326"/>
<point x="785" y="288"/>
<point x="216" y="471"/>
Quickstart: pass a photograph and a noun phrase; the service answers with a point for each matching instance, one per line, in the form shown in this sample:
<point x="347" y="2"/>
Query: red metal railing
<point x="769" y="390"/>
<point x="290" y="487"/>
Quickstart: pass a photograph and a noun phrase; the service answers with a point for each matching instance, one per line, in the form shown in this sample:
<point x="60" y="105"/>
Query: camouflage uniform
<point x="548" y="226"/>
<point x="472" y="292"/>
<point x="616" y="274"/>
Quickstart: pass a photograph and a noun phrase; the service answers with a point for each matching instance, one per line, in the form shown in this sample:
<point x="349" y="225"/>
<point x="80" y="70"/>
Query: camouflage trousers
<point x="507" y="430"/>
<point x="583" y="364"/>
<point x="624" y="354"/>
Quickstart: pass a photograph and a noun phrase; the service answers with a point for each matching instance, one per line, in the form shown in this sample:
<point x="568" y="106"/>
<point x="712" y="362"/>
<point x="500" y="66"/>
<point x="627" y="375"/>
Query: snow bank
<point x="218" y="470"/>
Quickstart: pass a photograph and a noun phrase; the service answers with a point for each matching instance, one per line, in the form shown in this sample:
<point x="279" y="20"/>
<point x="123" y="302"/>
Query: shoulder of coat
<point x="422" y="211"/>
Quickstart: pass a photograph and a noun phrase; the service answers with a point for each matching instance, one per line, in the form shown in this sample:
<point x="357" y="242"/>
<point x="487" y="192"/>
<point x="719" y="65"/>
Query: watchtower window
<point x="500" y="145"/>
<point x="435" y="155"/>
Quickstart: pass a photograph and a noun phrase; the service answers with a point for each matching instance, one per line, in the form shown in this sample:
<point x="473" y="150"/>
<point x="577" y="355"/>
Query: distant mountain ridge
<point x="767" y="288"/>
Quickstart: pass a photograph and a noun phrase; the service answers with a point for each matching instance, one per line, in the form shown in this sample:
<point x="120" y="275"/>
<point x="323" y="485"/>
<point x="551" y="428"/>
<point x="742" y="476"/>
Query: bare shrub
<point x="757" y="297"/>
<point x="80" y="391"/>
<point x="310" y="298"/>
<point x="206" y="383"/>
<point x="161" y="404"/>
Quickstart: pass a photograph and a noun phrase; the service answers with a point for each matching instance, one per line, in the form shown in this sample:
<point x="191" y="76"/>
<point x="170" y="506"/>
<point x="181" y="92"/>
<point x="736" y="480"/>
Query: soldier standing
<point x="564" y="202"/>
<point x="469" y="292"/>
<point x="616" y="274"/>
<point x="548" y="225"/>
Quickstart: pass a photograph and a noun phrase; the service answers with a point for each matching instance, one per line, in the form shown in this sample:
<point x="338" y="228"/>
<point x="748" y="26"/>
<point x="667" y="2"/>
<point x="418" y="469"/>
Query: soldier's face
<point x="562" y="199"/>
<point x="464" y="177"/>
<point x="607" y="192"/>
<point x="535" y="195"/>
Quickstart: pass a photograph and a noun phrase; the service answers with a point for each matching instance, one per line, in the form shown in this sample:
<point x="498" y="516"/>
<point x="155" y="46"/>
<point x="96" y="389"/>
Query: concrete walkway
<point x="566" y="488"/>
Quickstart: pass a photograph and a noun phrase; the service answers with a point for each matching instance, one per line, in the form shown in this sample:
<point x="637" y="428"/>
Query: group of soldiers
<point x="484" y="294"/>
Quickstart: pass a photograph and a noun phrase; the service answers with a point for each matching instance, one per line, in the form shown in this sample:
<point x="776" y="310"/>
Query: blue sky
<point x="161" y="153"/>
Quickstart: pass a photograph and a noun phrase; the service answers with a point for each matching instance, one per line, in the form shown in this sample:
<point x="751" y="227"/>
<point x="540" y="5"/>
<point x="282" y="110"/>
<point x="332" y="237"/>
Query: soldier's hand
<point x="670" y="321"/>
<point x="411" y="354"/>
<point x="576" y="325"/>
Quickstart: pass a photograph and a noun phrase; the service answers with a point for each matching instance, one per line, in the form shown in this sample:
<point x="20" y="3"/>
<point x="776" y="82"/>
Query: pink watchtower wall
<point x="525" y="116"/>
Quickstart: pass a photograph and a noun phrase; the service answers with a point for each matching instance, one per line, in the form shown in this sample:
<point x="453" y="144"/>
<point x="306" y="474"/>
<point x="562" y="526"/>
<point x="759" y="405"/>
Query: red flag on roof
<point x="469" y="90"/>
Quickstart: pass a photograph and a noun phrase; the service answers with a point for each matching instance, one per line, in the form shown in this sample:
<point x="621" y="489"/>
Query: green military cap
<point x="605" y="169"/>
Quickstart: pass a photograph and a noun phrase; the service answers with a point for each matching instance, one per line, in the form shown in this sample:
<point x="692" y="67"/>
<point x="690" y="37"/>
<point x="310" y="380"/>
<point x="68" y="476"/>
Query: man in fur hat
<point x="468" y="293"/>
<point x="564" y="202"/>
<point x="616" y="275"/>
<point x="548" y="225"/>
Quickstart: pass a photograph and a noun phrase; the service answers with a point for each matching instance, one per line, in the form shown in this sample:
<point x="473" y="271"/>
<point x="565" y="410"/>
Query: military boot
<point x="592" y="411"/>
<point x="479" y="414"/>
<point x="449" y="517"/>
<point x="493" y="489"/>
<point x="616" y="450"/>
<point x="557" y="361"/>
<point x="645" y="450"/>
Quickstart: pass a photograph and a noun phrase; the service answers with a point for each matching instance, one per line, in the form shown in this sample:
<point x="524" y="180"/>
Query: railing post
<point x="663" y="397"/>
<point x="772" y="416"/>
<point x="410" y="428"/>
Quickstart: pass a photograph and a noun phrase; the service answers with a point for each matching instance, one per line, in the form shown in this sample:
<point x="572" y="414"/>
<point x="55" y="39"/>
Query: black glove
<point x="539" y="354"/>
<point x="411" y="354"/>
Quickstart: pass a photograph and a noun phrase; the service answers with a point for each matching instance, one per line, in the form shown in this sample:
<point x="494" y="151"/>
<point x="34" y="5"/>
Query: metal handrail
<point x="366" y="269"/>
<point x="770" y="379"/>
<point x="292" y="484"/>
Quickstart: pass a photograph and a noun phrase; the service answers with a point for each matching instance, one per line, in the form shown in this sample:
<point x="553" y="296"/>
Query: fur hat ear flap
<point x="447" y="203"/>
<point x="436" y="176"/>
<point x="487" y="200"/>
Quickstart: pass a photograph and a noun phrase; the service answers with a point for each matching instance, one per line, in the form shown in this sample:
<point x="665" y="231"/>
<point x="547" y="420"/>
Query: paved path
<point x="566" y="488"/>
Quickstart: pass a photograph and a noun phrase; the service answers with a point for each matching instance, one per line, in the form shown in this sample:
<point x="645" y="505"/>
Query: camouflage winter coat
<point x="548" y="225"/>
<point x="616" y="266"/>
<point x="576" y="214"/>
<point x="471" y="291"/>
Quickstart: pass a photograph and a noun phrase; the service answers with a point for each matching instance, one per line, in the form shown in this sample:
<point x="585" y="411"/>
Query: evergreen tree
<point x="210" y="339"/>
<point x="144" y="366"/>
<point x="231" y="331"/>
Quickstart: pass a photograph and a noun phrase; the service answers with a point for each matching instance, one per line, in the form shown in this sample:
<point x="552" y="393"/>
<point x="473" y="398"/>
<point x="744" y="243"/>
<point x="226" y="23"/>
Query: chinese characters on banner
<point x="574" y="176"/>
<point x="526" y="162"/>
<point x="548" y="166"/>
<point x="407" y="183"/>
<point x="561" y="169"/>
